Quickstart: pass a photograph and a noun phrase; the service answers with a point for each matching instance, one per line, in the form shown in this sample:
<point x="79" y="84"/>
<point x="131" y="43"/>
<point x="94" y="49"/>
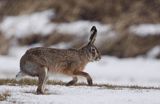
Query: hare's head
<point x="93" y="53"/>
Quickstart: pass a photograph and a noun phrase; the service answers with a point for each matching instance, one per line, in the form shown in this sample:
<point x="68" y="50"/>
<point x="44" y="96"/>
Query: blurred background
<point x="125" y="28"/>
<point x="128" y="34"/>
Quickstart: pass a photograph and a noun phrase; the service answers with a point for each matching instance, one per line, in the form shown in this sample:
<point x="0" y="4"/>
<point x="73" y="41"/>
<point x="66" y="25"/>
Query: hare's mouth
<point x="97" y="58"/>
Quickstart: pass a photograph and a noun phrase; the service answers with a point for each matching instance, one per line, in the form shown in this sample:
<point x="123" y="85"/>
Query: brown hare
<point x="40" y="61"/>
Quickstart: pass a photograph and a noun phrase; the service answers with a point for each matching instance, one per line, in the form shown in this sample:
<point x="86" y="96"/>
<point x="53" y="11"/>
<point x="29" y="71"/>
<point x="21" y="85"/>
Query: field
<point x="123" y="81"/>
<point x="128" y="34"/>
<point x="58" y="94"/>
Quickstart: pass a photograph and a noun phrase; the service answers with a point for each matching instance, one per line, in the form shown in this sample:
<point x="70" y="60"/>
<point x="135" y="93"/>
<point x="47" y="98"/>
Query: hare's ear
<point x="93" y="35"/>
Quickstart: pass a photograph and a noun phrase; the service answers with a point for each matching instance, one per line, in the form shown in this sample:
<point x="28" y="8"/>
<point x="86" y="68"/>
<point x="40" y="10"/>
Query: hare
<point x="40" y="61"/>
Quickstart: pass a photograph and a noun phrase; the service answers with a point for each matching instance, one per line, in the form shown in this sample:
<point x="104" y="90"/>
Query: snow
<point x="110" y="70"/>
<point x="79" y="95"/>
<point x="40" y="23"/>
<point x="36" y="23"/>
<point x="131" y="71"/>
<point x="145" y="29"/>
<point x="61" y="45"/>
<point x="81" y="27"/>
<point x="154" y="52"/>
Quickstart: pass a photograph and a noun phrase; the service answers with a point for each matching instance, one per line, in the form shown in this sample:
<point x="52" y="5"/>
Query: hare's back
<point x="51" y="55"/>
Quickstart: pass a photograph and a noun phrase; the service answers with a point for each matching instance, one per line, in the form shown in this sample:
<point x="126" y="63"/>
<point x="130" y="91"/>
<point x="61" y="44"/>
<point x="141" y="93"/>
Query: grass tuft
<point x="13" y="82"/>
<point x="4" y="95"/>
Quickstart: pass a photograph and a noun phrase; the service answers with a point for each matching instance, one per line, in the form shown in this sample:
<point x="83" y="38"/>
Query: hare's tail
<point x="20" y="75"/>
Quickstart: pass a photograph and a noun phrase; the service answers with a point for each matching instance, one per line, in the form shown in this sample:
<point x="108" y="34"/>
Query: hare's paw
<point x="72" y="82"/>
<point x="90" y="82"/>
<point x="39" y="91"/>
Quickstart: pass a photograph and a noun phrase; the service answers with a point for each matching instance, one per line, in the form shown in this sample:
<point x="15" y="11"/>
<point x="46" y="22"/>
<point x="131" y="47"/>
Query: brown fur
<point x="39" y="61"/>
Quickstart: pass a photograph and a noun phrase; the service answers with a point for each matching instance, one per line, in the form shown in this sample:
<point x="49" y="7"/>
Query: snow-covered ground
<point x="79" y="95"/>
<point x="145" y="29"/>
<point x="110" y="70"/>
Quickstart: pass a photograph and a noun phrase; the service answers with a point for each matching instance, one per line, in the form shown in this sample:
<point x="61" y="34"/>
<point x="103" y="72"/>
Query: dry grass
<point x="129" y="45"/>
<point x="13" y="82"/>
<point x="25" y="82"/>
<point x="4" y="45"/>
<point x="120" y="13"/>
<point x="4" y="95"/>
<point x="107" y="11"/>
<point x="52" y="39"/>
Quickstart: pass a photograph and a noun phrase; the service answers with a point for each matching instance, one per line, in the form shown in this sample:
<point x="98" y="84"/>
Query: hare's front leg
<point x="72" y="82"/>
<point x="86" y="75"/>
<point x="42" y="80"/>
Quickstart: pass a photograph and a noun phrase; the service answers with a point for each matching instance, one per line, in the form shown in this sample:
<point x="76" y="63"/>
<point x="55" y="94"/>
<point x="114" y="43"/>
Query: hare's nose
<point x="98" y="58"/>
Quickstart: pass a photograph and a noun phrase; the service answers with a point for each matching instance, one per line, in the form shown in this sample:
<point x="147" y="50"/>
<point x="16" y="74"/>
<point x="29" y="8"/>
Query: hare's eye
<point x="92" y="50"/>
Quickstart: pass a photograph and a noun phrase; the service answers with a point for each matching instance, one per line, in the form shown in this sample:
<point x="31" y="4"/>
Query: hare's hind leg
<point x="42" y="77"/>
<point x="72" y="82"/>
<point x="86" y="75"/>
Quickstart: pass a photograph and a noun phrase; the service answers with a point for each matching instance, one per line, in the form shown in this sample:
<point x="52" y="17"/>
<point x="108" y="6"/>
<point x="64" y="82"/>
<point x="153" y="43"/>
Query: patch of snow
<point x="39" y="23"/>
<point x="61" y="45"/>
<point x="81" y="27"/>
<point x="36" y="23"/>
<point x="8" y="66"/>
<point x="145" y="29"/>
<point x="131" y="71"/>
<point x="154" y="52"/>
<point x="79" y="95"/>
